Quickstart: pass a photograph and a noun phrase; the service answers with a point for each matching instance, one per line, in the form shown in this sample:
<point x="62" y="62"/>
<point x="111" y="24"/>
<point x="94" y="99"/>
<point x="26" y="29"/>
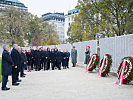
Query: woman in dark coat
<point x="59" y="59"/>
<point x="29" y="59"/>
<point x="64" y="60"/>
<point x="6" y="67"/>
<point x="87" y="54"/>
<point x="53" y="59"/>
<point x="47" y="57"/>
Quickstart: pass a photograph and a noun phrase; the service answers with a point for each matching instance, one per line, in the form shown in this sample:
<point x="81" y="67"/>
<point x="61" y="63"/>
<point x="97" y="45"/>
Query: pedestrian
<point x="68" y="56"/>
<point x="74" y="56"/>
<point x="15" y="69"/>
<point x="6" y="66"/>
<point x="87" y="54"/>
<point x="29" y="59"/>
<point x="64" y="60"/>
<point x="53" y="59"/>
<point x="59" y="59"/>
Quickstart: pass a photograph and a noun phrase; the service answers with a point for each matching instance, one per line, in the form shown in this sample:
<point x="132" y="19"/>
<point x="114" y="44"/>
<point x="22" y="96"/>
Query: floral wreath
<point x="92" y="62"/>
<point x="106" y="66"/>
<point x="128" y="72"/>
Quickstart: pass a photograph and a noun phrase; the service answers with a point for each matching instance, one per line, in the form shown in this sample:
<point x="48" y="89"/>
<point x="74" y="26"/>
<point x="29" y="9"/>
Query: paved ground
<point x="70" y="84"/>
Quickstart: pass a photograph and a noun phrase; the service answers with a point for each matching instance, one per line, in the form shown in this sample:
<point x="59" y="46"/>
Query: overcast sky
<point x="39" y="7"/>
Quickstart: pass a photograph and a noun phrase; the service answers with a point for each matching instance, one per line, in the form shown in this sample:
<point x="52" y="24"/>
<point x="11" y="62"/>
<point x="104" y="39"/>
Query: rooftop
<point x="13" y="3"/>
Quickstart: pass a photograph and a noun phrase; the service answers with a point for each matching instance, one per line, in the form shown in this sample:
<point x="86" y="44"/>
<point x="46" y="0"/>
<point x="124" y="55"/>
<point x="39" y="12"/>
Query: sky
<point x="40" y="7"/>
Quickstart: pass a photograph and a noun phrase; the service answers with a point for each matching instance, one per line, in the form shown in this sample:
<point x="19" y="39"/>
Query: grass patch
<point x="0" y="71"/>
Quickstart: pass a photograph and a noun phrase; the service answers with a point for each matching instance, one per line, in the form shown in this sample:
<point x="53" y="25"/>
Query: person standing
<point x="53" y="59"/>
<point x="67" y="55"/>
<point x="29" y="59"/>
<point x="87" y="54"/>
<point x="64" y="60"/>
<point x="37" y="59"/>
<point x="32" y="63"/>
<point x="44" y="58"/>
<point x="59" y="59"/>
<point x="23" y="62"/>
<point x="6" y="66"/>
<point x="47" y="57"/>
<point x="15" y="69"/>
<point x="74" y="56"/>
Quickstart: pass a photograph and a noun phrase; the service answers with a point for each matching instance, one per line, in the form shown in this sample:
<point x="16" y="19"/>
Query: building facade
<point x="69" y="18"/>
<point x="15" y="3"/>
<point x="58" y="19"/>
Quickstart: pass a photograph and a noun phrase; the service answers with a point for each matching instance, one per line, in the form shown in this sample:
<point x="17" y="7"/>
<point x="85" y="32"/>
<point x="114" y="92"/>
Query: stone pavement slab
<point x="69" y="84"/>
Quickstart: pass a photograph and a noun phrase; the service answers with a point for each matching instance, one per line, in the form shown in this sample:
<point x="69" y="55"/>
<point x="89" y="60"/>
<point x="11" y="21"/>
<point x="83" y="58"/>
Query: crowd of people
<point x="19" y="59"/>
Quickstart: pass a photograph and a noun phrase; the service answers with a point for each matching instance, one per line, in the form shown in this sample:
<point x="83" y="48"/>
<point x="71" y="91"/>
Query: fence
<point x="118" y="47"/>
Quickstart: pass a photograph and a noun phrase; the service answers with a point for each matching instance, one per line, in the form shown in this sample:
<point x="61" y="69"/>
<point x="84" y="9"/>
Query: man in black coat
<point x="47" y="57"/>
<point x="44" y="58"/>
<point x="16" y="68"/>
<point x="37" y="59"/>
<point x="33" y="61"/>
<point x="52" y="59"/>
<point x="59" y="59"/>
<point x="68" y="56"/>
<point x="6" y="68"/>
<point x="23" y="62"/>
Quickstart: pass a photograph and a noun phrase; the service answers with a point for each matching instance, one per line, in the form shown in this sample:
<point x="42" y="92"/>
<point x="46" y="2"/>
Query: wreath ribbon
<point x="101" y="68"/>
<point x="87" y="70"/>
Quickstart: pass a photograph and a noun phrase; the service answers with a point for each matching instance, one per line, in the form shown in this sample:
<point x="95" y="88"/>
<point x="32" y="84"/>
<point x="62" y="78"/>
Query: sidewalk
<point x="69" y="84"/>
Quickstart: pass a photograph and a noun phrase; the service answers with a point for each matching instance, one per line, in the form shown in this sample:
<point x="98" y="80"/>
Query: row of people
<point x="41" y="58"/>
<point x="12" y="64"/>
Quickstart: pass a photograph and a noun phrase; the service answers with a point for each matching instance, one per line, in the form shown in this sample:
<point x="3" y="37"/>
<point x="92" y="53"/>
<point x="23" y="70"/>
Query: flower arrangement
<point x="105" y="65"/>
<point x="92" y="62"/>
<point x="128" y="71"/>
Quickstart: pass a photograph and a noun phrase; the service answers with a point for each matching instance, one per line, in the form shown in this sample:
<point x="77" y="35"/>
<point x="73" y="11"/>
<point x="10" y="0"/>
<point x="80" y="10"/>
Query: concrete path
<point x="69" y="84"/>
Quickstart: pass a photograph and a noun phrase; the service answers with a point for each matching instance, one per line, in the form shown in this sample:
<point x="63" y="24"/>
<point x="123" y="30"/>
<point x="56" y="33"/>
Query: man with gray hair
<point x="15" y="69"/>
<point x="6" y="67"/>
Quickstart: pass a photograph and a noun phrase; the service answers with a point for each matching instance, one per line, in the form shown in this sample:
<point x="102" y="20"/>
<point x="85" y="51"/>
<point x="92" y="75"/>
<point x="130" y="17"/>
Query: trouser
<point x="4" y="81"/>
<point x="14" y="75"/>
<point x="74" y="64"/>
<point x="22" y="70"/>
<point x="44" y="65"/>
<point x="41" y="64"/>
<point x="47" y="65"/>
<point x="59" y="66"/>
<point x="32" y="64"/>
<point x="52" y="65"/>
<point x="37" y="67"/>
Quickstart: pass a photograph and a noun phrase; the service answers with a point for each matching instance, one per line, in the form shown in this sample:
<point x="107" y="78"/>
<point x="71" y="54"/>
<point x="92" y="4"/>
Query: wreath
<point x="106" y="66"/>
<point x="128" y="71"/>
<point x="92" y="62"/>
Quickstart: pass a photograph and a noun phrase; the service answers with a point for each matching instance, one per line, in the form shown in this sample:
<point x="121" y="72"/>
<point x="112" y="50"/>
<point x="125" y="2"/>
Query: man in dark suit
<point x="6" y="67"/>
<point x="33" y="60"/>
<point x="15" y="69"/>
<point x="59" y="59"/>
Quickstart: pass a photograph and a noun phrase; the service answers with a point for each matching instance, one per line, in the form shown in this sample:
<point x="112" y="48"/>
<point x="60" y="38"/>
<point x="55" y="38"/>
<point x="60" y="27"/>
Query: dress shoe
<point x="15" y="84"/>
<point x="4" y="89"/>
<point x="19" y="81"/>
<point x="22" y="76"/>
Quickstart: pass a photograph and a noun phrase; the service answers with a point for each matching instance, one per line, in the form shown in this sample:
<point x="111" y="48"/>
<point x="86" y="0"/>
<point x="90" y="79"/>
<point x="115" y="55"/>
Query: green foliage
<point x="13" y="26"/>
<point x="101" y="17"/>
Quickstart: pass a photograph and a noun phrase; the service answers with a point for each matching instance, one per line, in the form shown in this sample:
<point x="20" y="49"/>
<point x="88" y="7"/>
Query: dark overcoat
<point x="59" y="57"/>
<point x="6" y="66"/>
<point x="64" y="60"/>
<point x="74" y="56"/>
<point x="16" y="59"/>
<point x="53" y="57"/>
<point x="37" y="57"/>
